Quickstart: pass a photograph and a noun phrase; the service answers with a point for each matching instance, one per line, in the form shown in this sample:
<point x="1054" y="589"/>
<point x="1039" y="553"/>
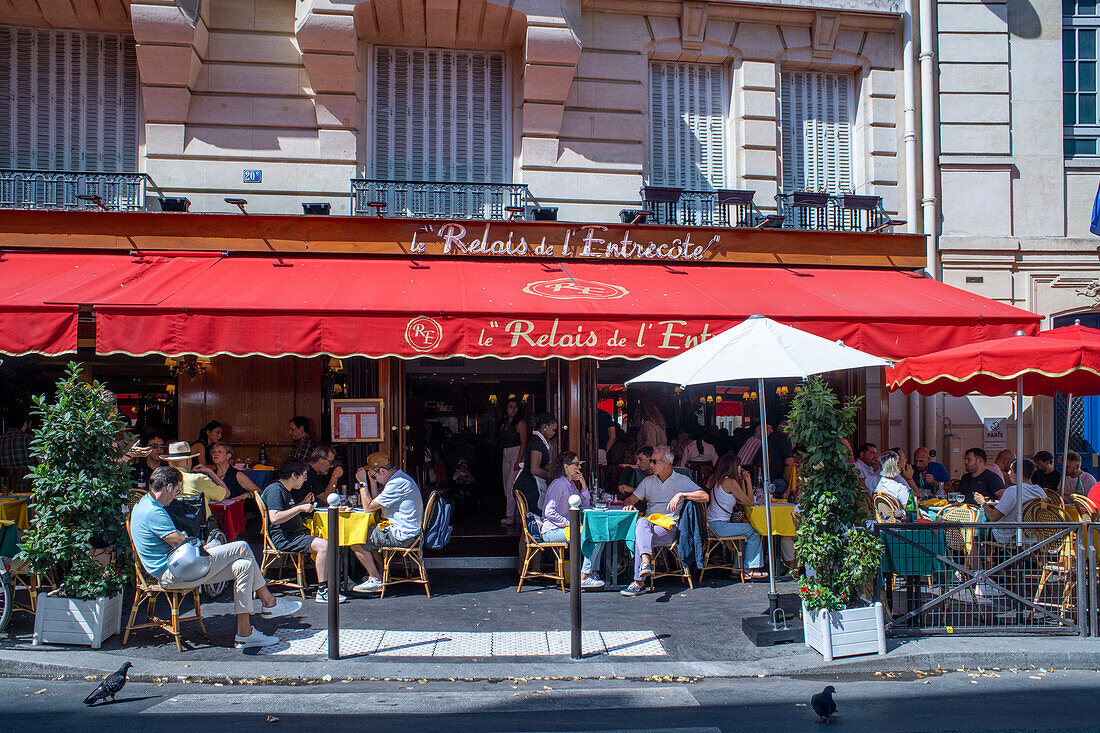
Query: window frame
<point x="781" y="123"/>
<point x="371" y="163"/>
<point x="726" y="86"/>
<point x="1078" y="130"/>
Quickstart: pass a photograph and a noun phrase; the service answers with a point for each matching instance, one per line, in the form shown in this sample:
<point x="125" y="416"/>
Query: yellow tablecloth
<point x="15" y="510"/>
<point x="782" y="519"/>
<point x="934" y="502"/>
<point x="355" y="527"/>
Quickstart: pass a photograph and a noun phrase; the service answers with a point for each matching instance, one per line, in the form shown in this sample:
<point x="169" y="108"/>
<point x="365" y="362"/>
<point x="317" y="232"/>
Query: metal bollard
<point x="575" y="560"/>
<point x="333" y="571"/>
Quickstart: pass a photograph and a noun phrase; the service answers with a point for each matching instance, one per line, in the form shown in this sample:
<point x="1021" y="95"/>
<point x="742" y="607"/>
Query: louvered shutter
<point x="816" y="131"/>
<point x="687" y="125"/>
<point x="440" y="115"/>
<point x="70" y="99"/>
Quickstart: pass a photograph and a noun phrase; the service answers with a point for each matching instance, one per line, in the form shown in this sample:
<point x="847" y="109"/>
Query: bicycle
<point x="7" y="593"/>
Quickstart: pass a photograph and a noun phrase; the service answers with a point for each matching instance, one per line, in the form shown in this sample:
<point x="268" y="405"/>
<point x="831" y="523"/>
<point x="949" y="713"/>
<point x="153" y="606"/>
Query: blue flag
<point x="1095" y="228"/>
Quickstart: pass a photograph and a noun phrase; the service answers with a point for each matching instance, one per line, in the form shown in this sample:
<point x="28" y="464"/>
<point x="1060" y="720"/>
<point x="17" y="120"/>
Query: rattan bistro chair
<point x="734" y="544"/>
<point x="414" y="573"/>
<point x="274" y="556"/>
<point x="1057" y="559"/>
<point x="533" y="548"/>
<point x="147" y="590"/>
<point x="885" y="506"/>
<point x="1087" y="511"/>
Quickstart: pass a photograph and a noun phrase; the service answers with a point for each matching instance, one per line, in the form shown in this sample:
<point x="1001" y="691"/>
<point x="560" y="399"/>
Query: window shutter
<point x="440" y="115"/>
<point x="816" y="131"/>
<point x="687" y="125"/>
<point x="70" y="100"/>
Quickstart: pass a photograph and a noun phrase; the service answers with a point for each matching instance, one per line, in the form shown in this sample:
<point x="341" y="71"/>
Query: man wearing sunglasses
<point x="664" y="493"/>
<point x="143" y="467"/>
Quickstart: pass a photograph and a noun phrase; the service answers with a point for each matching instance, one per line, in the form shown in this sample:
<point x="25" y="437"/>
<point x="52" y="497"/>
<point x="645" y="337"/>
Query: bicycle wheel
<point x="213" y="590"/>
<point x="7" y="600"/>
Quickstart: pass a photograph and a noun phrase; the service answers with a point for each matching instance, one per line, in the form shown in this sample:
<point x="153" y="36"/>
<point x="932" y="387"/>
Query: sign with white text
<point x="996" y="436"/>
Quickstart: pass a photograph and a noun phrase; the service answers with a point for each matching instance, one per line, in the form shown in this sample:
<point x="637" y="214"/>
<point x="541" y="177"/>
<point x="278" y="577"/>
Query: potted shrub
<point x="79" y="488"/>
<point x="840" y="556"/>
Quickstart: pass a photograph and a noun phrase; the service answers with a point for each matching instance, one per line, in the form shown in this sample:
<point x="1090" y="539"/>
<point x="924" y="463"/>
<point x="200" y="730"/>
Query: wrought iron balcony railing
<point x="29" y="189"/>
<point x="439" y="200"/>
<point x="736" y="208"/>
<point x="846" y="212"/>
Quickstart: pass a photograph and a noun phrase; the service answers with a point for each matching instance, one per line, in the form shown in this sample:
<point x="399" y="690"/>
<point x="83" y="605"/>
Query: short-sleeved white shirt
<point x="658" y="493"/>
<point x="895" y="487"/>
<point x="869" y="475"/>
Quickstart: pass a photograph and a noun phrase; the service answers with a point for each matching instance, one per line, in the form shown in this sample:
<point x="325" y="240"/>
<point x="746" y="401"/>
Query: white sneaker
<point x="370" y="585"/>
<point x="256" y="639"/>
<point x="591" y="582"/>
<point x="282" y="607"/>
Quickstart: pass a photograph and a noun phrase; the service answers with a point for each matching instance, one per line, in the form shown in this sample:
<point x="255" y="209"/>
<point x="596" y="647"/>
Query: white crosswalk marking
<point x="376" y="642"/>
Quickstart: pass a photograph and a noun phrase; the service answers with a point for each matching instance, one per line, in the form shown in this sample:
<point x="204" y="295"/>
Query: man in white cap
<point x="155" y="537"/>
<point x="203" y="481"/>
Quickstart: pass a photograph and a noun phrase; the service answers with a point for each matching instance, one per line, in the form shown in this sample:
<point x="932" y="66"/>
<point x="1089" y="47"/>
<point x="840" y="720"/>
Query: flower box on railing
<point x="810" y="199"/>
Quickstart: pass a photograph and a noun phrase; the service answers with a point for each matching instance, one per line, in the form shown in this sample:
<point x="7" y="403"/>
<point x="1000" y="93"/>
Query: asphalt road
<point x="1001" y="700"/>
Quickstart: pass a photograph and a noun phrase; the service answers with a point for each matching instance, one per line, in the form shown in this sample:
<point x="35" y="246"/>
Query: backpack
<point x="439" y="531"/>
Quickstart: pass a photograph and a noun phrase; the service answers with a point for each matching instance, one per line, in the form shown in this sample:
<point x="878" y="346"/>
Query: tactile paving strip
<point x="376" y="642"/>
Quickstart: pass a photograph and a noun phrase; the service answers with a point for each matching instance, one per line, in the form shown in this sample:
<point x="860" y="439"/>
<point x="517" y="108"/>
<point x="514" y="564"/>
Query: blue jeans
<point x="754" y="546"/>
<point x="558" y="535"/>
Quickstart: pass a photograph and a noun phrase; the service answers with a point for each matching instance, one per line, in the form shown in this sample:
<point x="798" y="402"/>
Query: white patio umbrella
<point x="759" y="348"/>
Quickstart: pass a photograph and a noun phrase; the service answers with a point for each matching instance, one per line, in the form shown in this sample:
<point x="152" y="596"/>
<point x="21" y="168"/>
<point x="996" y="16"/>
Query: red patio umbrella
<point x="1059" y="360"/>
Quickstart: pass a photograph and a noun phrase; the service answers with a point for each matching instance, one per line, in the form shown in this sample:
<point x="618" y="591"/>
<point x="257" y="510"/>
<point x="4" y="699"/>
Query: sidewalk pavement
<point x="671" y="633"/>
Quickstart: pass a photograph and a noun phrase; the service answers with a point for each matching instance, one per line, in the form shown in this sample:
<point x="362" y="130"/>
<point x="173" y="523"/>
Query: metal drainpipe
<point x="912" y="197"/>
<point x="930" y="184"/>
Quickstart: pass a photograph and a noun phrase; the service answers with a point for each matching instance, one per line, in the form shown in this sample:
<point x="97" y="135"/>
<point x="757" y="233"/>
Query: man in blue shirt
<point x="400" y="502"/>
<point x="928" y="475"/>
<point x="155" y="536"/>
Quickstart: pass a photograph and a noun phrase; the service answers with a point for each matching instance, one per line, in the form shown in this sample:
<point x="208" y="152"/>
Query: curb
<point x="24" y="664"/>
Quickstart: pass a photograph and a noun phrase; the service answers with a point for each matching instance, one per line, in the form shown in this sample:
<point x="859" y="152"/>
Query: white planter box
<point x="60" y="620"/>
<point x="845" y="633"/>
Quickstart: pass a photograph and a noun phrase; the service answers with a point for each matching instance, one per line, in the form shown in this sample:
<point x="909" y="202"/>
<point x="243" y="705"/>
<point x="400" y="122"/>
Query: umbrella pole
<point x="773" y="599"/>
<point x="1019" y="456"/>
<point x="1065" y="440"/>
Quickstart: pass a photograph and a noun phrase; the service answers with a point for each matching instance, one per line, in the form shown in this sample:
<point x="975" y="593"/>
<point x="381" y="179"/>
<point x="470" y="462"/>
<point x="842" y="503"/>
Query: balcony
<point x="26" y="189"/>
<point x="736" y="208"/>
<point x="439" y="200"/>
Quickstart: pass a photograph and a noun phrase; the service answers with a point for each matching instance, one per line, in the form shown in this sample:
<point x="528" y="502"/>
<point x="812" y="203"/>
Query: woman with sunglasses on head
<point x="566" y="479"/>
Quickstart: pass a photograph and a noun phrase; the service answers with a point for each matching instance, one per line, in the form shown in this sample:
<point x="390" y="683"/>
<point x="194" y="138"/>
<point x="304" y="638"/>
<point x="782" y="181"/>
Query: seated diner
<point x="730" y="493"/>
<point x="662" y="492"/>
<point x="566" y="479"/>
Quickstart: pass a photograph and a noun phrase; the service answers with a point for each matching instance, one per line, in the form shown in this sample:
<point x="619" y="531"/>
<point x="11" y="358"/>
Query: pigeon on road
<point x="111" y="685"/>
<point x="823" y="704"/>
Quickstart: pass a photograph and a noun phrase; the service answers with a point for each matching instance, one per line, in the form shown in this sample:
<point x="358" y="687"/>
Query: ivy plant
<point x="843" y="555"/>
<point x="79" y="488"/>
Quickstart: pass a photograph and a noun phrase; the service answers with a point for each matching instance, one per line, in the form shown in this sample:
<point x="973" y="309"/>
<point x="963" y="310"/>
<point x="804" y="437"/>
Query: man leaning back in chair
<point x="155" y="536"/>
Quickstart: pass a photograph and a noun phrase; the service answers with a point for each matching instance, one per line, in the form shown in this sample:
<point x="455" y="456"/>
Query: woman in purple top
<point x="566" y="479"/>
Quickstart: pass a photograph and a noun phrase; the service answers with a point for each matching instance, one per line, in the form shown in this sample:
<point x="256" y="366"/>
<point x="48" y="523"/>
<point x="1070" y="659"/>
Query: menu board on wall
<point x="357" y="421"/>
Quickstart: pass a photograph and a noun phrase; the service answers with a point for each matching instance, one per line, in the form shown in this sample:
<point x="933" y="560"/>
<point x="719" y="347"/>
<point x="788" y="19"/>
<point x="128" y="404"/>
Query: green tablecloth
<point x="9" y="540"/>
<point x="933" y="512"/>
<point x="607" y="526"/>
<point x="903" y="558"/>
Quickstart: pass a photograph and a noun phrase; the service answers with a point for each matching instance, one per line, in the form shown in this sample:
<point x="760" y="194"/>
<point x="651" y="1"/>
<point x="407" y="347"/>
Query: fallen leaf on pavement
<point x="272" y="719"/>
<point x="40" y="691"/>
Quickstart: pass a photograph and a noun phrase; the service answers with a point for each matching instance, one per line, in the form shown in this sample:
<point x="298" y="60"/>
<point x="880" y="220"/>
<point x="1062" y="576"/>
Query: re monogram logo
<point x="566" y="289"/>
<point x="423" y="334"/>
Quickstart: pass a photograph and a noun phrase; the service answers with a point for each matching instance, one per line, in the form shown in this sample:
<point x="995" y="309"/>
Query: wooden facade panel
<point x="254" y="398"/>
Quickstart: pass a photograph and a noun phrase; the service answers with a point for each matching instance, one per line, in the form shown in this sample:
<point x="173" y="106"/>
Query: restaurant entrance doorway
<point x="456" y="411"/>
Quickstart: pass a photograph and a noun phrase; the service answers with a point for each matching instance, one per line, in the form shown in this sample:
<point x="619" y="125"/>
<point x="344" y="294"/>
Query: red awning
<point x="193" y="304"/>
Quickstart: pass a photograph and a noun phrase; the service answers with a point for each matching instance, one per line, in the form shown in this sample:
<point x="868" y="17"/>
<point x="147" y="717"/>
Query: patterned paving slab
<point x="376" y="642"/>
